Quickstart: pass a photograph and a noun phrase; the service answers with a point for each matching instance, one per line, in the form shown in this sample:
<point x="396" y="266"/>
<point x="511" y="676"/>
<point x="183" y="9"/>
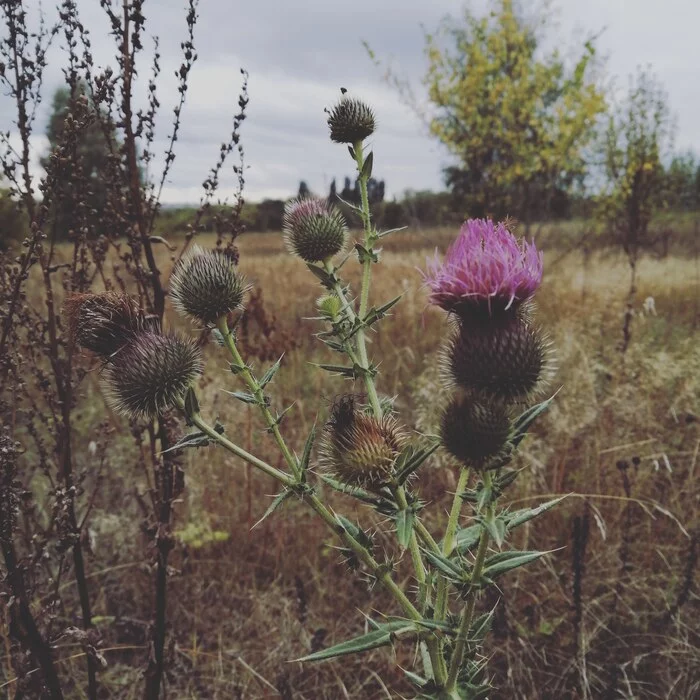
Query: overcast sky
<point x="299" y="53"/>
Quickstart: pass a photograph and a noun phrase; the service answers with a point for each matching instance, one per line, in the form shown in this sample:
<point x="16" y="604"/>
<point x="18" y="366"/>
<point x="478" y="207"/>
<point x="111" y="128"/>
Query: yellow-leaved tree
<point x="518" y="118"/>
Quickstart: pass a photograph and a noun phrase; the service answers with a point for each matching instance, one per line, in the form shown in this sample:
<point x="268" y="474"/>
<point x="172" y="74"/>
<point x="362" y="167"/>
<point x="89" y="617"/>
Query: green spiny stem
<point x="257" y="391"/>
<point x="448" y="542"/>
<point x="380" y="572"/>
<point x="366" y="278"/>
<point x="427" y="539"/>
<point x="468" y="612"/>
<point x="275" y="473"/>
<point x="418" y="565"/>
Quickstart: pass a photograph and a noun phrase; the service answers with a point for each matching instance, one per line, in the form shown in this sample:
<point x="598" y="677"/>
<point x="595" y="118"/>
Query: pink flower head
<point x="486" y="268"/>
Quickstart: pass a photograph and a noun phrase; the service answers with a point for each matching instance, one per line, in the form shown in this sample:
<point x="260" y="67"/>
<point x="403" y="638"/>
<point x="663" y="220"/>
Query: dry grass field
<point x="614" y="612"/>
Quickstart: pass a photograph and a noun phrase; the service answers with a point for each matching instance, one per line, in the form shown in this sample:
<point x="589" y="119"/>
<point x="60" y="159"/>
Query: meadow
<point x="613" y="612"/>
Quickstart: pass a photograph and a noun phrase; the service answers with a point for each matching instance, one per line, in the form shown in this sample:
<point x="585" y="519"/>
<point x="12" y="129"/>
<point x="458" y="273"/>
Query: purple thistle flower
<point x="486" y="268"/>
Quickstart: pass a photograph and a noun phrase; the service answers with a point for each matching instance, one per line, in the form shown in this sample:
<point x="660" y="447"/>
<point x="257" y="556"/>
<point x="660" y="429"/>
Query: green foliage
<point x="13" y="221"/>
<point x="636" y="140"/>
<point x="518" y="121"/>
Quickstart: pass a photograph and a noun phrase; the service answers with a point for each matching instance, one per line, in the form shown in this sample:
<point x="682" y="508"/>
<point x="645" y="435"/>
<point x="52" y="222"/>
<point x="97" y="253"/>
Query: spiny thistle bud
<point x="205" y="285"/>
<point x="351" y="120"/>
<point x="359" y="449"/>
<point x="486" y="272"/>
<point x="476" y="431"/>
<point x="103" y="323"/>
<point x="506" y="358"/>
<point x="314" y="229"/>
<point x="152" y="373"/>
<point x="330" y="306"/>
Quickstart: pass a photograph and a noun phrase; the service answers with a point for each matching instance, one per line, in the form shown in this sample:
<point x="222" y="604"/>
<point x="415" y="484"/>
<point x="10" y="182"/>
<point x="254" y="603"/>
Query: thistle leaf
<point x="308" y="445"/>
<point x="194" y="439"/>
<point x="278" y="500"/>
<point x="506" y="561"/>
<point x="523" y="422"/>
<point x="495" y="525"/>
<point x="447" y="566"/>
<point x="372" y="640"/>
<point x="326" y="280"/>
<point x="242" y="396"/>
<point x="410" y="459"/>
<point x="467" y="538"/>
<point x="348" y="372"/>
<point x="519" y="517"/>
<point x="367" y="166"/>
<point x="267" y="377"/>
<point x="191" y="403"/>
<point x="405" y="520"/>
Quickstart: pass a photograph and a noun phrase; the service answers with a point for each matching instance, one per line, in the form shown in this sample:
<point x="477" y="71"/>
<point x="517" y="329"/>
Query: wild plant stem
<point x="448" y="542"/>
<point x="468" y="611"/>
<point x="381" y="572"/>
<point x="255" y="388"/>
<point x="366" y="279"/>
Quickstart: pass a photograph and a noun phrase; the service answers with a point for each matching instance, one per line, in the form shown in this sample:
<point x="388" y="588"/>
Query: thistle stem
<point x="468" y="611"/>
<point x="275" y="473"/>
<point x="448" y="542"/>
<point x="366" y="279"/>
<point x="256" y="390"/>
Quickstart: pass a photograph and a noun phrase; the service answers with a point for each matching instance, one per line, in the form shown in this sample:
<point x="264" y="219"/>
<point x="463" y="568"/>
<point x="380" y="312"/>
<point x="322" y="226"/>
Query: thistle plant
<point x="495" y="360"/>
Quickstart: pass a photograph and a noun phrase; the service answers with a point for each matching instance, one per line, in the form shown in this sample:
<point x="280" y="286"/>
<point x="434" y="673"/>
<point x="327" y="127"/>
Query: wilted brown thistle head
<point x="152" y="373"/>
<point x="205" y="285"/>
<point x="476" y="431"/>
<point x="351" y="120"/>
<point x="506" y="358"/>
<point x="104" y="322"/>
<point x="359" y="449"/>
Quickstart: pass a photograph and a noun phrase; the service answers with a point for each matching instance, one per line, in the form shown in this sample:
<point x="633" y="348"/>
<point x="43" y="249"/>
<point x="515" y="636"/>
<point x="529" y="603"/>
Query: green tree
<point x="637" y="139"/>
<point x="517" y="119"/>
<point x="97" y="153"/>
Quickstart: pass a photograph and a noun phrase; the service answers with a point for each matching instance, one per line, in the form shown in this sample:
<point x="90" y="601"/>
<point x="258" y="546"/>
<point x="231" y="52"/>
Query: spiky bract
<point x="351" y="120"/>
<point x="314" y="229"/>
<point x="476" y="431"/>
<point x="104" y="322"/>
<point x="506" y="358"/>
<point x="152" y="373"/>
<point x="359" y="449"/>
<point x="486" y="271"/>
<point x="205" y="285"/>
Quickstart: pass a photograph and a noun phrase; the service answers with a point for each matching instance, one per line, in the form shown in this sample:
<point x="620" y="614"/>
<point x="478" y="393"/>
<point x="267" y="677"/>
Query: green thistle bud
<point x="476" y="432"/>
<point x="103" y="323"/>
<point x="314" y="229"/>
<point x="359" y="449"/>
<point x="205" y="285"/>
<point x="330" y="306"/>
<point x="507" y="358"/>
<point x="351" y="121"/>
<point x="150" y="374"/>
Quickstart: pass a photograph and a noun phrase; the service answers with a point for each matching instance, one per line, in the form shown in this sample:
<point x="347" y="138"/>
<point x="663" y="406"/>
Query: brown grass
<point x="613" y="613"/>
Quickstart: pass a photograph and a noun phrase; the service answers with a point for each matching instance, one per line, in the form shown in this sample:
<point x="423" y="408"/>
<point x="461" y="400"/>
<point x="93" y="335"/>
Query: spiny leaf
<point x="405" y="520"/>
<point x="191" y="403"/>
<point x="495" y="525"/>
<point x="355" y="491"/>
<point x="194" y="439"/>
<point x="308" y="445"/>
<point x="326" y="280"/>
<point x="411" y="458"/>
<point x="242" y="396"/>
<point x="348" y="372"/>
<point x="448" y="567"/>
<point x="519" y="517"/>
<point x="381" y="234"/>
<point x="267" y="377"/>
<point x="506" y="561"/>
<point x="278" y="500"/>
<point x="523" y="422"/>
<point x="467" y="538"/>
<point x="372" y="640"/>
<point x="367" y="167"/>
